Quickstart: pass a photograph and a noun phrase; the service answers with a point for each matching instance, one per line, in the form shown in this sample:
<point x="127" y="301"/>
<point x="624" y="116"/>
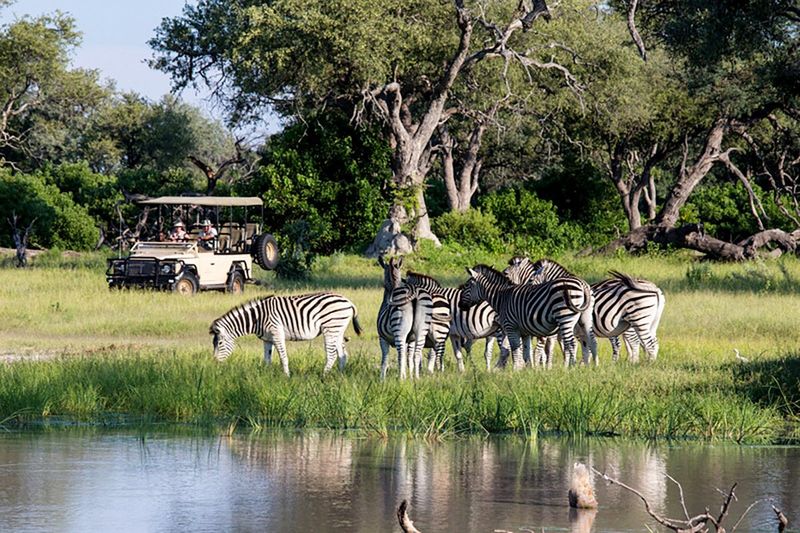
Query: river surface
<point x="89" y="480"/>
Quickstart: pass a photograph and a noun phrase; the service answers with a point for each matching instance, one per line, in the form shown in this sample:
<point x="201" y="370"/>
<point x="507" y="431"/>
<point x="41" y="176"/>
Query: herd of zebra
<point x="528" y="300"/>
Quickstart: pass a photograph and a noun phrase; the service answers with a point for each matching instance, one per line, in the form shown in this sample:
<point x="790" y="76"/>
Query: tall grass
<point x="147" y="355"/>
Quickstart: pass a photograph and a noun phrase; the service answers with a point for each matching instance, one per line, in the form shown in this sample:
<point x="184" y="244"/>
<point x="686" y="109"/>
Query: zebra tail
<point x="587" y="299"/>
<point x="636" y="284"/>
<point x="356" y="325"/>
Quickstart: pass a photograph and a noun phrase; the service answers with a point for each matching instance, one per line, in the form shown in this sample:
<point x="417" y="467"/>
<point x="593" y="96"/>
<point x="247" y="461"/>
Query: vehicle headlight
<point x="167" y="268"/>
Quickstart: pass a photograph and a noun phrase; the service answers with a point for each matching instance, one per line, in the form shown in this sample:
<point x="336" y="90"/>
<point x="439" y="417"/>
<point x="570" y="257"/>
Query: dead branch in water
<point x="405" y="521"/>
<point x="700" y="523"/>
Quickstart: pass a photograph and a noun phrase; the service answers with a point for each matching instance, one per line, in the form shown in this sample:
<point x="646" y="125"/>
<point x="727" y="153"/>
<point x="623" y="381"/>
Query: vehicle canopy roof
<point x="206" y="201"/>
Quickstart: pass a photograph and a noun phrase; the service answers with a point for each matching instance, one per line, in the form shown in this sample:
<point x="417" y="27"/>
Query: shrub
<point x="531" y="224"/>
<point x="59" y="221"/>
<point x="468" y="229"/>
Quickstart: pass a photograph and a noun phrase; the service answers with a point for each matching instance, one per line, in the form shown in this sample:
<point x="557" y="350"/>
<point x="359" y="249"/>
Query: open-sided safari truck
<point x="189" y="265"/>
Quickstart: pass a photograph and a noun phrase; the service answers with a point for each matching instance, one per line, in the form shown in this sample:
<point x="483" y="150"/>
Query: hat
<point x="206" y="222"/>
<point x="178" y="224"/>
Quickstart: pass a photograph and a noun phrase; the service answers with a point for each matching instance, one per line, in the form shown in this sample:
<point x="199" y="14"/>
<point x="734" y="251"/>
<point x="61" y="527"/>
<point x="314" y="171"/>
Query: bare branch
<point x="633" y="31"/>
<point x="405" y="521"/>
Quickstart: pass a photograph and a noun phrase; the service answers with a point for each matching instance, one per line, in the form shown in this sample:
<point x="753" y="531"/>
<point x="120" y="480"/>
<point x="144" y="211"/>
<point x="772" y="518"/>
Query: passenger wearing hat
<point x="207" y="235"/>
<point x="178" y="232"/>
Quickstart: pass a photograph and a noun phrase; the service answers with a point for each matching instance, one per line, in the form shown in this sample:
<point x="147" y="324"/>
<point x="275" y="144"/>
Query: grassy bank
<point x="113" y="355"/>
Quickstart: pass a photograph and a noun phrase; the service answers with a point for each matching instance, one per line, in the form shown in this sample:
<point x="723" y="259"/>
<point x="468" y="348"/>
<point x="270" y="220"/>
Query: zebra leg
<point x="432" y="362"/>
<point x="631" y="339"/>
<point x="268" y="352"/>
<point x="566" y="330"/>
<point x="384" y="357"/>
<point x="280" y="344"/>
<point x="549" y="348"/>
<point x="615" y="347"/>
<point x="538" y="352"/>
<point x="517" y="361"/>
<point x="527" y="349"/>
<point x="505" y="351"/>
<point x="331" y="353"/>
<point x="649" y="342"/>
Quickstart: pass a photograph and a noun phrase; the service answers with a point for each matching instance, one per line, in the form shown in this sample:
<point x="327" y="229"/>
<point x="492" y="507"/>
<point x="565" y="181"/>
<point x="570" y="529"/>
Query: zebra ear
<point x="471" y="272"/>
<point x="381" y="262"/>
<point x="399" y="262"/>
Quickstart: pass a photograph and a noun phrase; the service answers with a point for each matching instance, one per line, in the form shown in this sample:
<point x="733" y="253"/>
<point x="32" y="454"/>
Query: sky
<point x="115" y="35"/>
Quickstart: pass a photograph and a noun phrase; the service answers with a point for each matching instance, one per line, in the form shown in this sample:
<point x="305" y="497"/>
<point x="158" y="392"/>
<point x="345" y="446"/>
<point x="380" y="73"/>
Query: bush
<point x="531" y="224"/>
<point x="59" y="221"/>
<point x="472" y="228"/>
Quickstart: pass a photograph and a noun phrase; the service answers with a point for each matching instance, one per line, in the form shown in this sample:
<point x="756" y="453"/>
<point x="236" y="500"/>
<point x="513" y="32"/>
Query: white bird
<point x="739" y="357"/>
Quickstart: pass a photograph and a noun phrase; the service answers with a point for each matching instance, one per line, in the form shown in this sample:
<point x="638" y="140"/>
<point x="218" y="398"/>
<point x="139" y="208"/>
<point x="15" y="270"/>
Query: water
<point x="316" y="482"/>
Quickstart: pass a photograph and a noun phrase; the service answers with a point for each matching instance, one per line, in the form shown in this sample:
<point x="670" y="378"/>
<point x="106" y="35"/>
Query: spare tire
<point x="265" y="251"/>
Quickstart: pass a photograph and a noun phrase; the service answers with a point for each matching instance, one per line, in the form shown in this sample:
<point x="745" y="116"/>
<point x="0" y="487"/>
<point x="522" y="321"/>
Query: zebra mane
<point x="492" y="273"/>
<point x="517" y="259"/>
<point x="242" y="306"/>
<point x="424" y="278"/>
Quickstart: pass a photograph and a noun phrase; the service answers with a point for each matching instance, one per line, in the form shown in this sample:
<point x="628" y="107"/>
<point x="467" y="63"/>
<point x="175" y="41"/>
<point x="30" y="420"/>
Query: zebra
<point x="477" y="322"/>
<point x="276" y="319"/>
<point x="531" y="310"/>
<point x="623" y="306"/>
<point x="520" y="270"/>
<point x="631" y="307"/>
<point x="404" y="320"/>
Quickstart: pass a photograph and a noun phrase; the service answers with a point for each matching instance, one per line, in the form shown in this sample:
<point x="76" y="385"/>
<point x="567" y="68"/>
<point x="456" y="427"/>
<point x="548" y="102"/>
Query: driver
<point x="207" y="235"/>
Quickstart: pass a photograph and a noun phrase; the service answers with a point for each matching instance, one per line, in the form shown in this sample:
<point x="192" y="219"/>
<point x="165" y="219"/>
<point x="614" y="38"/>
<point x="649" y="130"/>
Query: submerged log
<point x="581" y="490"/>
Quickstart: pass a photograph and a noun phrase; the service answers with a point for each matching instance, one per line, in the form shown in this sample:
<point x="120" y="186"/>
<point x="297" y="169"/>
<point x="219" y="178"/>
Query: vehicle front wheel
<point x="187" y="284"/>
<point x="235" y="283"/>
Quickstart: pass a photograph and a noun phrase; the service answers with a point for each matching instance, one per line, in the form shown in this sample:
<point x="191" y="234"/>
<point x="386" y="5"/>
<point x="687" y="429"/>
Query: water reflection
<point x="95" y="481"/>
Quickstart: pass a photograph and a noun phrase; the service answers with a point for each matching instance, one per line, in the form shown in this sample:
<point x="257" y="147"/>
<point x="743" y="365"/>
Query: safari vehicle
<point x="185" y="266"/>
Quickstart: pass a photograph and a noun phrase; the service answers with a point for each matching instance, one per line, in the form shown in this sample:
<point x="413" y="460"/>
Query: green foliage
<point x="473" y="228"/>
<point x="531" y="224"/>
<point x="59" y="221"/>
<point x="97" y="193"/>
<point x="724" y="210"/>
<point x="328" y="175"/>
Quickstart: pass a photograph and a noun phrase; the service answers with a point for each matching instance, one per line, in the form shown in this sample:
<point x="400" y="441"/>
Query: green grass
<point x="136" y="355"/>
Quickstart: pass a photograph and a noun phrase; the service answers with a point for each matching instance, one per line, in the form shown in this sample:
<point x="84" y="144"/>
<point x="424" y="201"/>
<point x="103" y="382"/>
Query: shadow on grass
<point x="768" y="278"/>
<point x="771" y="382"/>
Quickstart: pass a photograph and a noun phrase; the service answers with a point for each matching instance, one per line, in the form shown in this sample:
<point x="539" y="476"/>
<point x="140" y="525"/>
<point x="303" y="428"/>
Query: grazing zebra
<point x="404" y="320"/>
<point x="276" y="319"/>
<point x="531" y="310"/>
<point x="623" y="306"/>
<point x="477" y="322"/>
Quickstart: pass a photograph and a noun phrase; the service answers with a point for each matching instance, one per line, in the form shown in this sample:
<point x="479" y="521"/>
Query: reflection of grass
<point x="148" y="354"/>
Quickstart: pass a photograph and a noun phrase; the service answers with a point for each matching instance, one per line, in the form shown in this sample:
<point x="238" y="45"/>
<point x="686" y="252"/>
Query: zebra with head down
<point x="276" y="319"/>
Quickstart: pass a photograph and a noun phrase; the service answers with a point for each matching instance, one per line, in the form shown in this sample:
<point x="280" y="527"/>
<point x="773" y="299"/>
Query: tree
<point x="391" y="64"/>
<point x="741" y="68"/>
<point x="34" y="74"/>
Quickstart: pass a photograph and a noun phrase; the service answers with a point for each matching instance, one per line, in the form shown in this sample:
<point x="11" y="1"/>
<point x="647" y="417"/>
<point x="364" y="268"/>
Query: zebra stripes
<point x="631" y="307"/>
<point x="404" y="320"/>
<point x="531" y="310"/>
<point x="623" y="305"/>
<point x="276" y="319"/>
<point x="520" y="271"/>
<point x="477" y="322"/>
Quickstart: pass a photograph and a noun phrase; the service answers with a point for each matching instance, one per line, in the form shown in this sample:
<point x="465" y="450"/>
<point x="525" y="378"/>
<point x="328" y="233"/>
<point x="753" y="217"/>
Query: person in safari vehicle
<point x="207" y="235"/>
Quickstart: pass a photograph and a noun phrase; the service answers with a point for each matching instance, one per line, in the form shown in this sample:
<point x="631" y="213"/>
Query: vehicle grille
<point x="141" y="268"/>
